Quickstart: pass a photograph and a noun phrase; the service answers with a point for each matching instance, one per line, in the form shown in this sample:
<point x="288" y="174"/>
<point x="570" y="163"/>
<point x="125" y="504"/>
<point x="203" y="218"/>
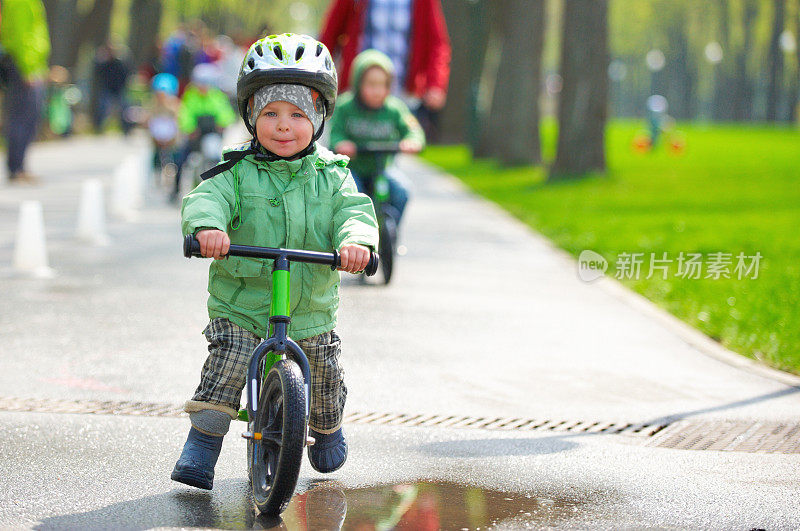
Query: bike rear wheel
<point x="274" y="461"/>
<point x="388" y="245"/>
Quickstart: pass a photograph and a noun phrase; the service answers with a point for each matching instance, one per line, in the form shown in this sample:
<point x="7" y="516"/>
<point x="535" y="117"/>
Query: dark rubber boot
<point x="329" y="452"/>
<point x="195" y="467"/>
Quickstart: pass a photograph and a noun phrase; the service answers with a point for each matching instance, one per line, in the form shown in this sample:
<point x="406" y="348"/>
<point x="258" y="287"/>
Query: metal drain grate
<point x="504" y="423"/>
<point x="95" y="407"/>
<point x="731" y="436"/>
<point x="114" y="407"/>
<point x="721" y="435"/>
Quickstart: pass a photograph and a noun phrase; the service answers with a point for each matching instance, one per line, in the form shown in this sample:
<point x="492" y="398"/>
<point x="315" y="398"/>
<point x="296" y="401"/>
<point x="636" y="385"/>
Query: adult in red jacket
<point x="422" y="59"/>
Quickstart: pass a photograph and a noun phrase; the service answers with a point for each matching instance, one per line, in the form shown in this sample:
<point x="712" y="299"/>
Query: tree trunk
<point x="743" y="99"/>
<point x="582" y="109"/>
<point x="681" y="72"/>
<point x="523" y="54"/>
<point x="61" y="16"/>
<point x="467" y="56"/>
<point x="96" y="25"/>
<point x="775" y="62"/>
<point x="793" y="99"/>
<point x="93" y="28"/>
<point x="492" y="123"/>
<point x="723" y="93"/>
<point x="145" y="20"/>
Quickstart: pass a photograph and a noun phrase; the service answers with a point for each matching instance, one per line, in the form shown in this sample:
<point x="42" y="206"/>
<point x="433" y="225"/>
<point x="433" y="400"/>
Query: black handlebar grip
<point x="372" y="266"/>
<point x="191" y="247"/>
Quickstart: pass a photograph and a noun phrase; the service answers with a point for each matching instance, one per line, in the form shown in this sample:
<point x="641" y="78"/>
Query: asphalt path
<point x="484" y="318"/>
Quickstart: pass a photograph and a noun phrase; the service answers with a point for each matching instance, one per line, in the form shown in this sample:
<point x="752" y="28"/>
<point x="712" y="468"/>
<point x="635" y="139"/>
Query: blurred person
<point x="228" y="63"/>
<point x="110" y="82"/>
<point x="656" y="117"/>
<point x="171" y="50"/>
<point x="203" y="107"/>
<point x="412" y="33"/>
<point x="61" y="97"/>
<point x="369" y="113"/>
<point x="178" y="56"/>
<point x="24" y="54"/>
<point x="162" y="119"/>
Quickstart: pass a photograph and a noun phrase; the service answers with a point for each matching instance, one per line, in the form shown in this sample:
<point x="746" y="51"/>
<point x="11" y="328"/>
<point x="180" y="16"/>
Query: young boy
<point x="283" y="191"/>
<point x="369" y="113"/>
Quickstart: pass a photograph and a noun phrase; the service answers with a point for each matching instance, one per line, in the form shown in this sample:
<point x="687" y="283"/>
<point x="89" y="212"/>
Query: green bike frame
<point x="278" y="345"/>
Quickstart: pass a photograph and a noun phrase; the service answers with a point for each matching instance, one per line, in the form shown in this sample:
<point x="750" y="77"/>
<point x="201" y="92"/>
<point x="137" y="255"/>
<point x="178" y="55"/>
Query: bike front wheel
<point x="274" y="460"/>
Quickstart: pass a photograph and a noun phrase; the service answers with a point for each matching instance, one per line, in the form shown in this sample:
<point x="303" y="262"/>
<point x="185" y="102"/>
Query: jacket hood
<point x="365" y="60"/>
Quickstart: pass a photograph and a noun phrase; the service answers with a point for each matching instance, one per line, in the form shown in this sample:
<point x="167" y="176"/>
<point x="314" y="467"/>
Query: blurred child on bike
<point x="282" y="190"/>
<point x="202" y="103"/>
<point x="162" y="118"/>
<point x="369" y="113"/>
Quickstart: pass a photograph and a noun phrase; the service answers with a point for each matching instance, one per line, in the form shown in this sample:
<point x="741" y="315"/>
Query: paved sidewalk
<point x="484" y="318"/>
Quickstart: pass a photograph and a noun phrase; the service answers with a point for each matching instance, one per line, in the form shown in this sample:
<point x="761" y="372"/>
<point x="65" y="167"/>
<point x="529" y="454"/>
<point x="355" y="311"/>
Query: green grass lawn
<point x="734" y="189"/>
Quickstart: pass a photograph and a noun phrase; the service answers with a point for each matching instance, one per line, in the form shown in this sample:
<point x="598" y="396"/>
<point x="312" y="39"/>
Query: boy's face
<point x="374" y="87"/>
<point x="282" y="128"/>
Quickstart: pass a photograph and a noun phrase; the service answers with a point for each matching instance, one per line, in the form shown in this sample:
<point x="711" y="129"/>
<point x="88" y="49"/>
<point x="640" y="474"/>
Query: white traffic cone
<point x="92" y="213"/>
<point x="126" y="197"/>
<point x="30" y="250"/>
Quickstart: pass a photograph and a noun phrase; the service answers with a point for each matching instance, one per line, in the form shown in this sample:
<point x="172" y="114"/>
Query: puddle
<point x="425" y="506"/>
<point x="422" y="507"/>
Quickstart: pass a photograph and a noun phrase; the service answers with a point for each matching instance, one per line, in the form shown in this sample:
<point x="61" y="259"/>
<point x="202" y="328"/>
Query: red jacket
<point x="429" y="53"/>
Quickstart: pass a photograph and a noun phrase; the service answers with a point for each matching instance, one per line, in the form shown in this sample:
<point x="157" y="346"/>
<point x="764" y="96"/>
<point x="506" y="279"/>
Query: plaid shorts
<point x="225" y="372"/>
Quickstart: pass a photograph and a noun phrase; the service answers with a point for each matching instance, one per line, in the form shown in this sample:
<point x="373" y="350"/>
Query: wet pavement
<point x="483" y="319"/>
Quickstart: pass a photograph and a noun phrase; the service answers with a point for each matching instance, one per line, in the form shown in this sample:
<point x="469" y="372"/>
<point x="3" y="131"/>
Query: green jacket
<point x="24" y="36"/>
<point x="195" y="104"/>
<point x="355" y="122"/>
<point x="311" y="203"/>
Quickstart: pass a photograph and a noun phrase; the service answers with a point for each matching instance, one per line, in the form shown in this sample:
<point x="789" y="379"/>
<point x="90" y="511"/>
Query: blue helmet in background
<point x="165" y="83"/>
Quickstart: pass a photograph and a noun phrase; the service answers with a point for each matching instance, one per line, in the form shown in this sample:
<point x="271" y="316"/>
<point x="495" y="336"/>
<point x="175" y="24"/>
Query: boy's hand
<point x="353" y="258"/>
<point x="213" y="243"/>
<point x="410" y="146"/>
<point x="345" y="147"/>
<point x="434" y="98"/>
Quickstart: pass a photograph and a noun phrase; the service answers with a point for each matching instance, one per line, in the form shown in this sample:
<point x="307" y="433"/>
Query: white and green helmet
<point x="286" y="58"/>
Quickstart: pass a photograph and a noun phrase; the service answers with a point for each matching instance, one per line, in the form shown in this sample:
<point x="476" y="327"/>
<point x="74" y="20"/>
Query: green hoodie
<point x="195" y="104"/>
<point x="357" y="123"/>
<point x="310" y="203"/>
<point x="24" y="36"/>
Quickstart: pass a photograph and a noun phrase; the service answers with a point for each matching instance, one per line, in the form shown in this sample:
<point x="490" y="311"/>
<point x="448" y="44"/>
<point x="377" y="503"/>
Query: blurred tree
<point x="60" y="17"/>
<point x="511" y="128"/>
<point x="582" y="108"/>
<point x="743" y="91"/>
<point x="723" y="88"/>
<point x="468" y="31"/>
<point x="681" y="69"/>
<point x="145" y="22"/>
<point x="794" y="99"/>
<point x="775" y="61"/>
<point x="491" y="126"/>
<point x="70" y="28"/>
<point x="520" y="82"/>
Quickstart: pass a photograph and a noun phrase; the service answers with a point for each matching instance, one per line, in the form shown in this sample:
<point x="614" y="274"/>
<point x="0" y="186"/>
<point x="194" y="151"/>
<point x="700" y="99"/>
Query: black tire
<point x="274" y="462"/>
<point x="387" y="247"/>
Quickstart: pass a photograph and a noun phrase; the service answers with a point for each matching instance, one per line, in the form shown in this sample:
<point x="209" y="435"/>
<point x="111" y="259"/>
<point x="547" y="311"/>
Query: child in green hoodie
<point x="284" y="190"/>
<point x="369" y="113"/>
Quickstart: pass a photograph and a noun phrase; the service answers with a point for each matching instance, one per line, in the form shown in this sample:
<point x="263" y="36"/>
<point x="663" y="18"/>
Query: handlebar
<point x="379" y="148"/>
<point x="191" y="248"/>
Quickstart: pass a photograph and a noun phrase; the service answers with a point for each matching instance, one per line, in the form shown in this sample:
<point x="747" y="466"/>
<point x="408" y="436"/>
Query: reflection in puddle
<point x="420" y="506"/>
<point x="411" y="506"/>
